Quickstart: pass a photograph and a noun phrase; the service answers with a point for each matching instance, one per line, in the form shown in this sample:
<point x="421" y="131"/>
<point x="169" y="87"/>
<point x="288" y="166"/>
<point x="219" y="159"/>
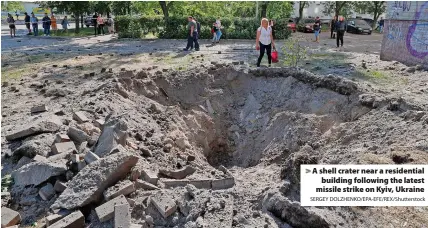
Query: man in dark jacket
<point x="46" y="25"/>
<point x="341" y="29"/>
<point x="333" y="27"/>
<point x="94" y="22"/>
<point x="27" y="23"/>
<point x="198" y="27"/>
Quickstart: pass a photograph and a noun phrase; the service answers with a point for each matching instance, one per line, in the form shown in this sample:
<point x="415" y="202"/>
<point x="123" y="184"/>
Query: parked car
<point x="291" y="25"/>
<point x="369" y="21"/>
<point x="358" y="26"/>
<point x="306" y="25"/>
<point x="88" y="21"/>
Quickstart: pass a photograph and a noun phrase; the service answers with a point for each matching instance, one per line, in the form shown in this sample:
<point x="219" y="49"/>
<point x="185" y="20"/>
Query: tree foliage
<point x="338" y="8"/>
<point x="12" y="6"/>
<point x="302" y="5"/>
<point x="375" y="7"/>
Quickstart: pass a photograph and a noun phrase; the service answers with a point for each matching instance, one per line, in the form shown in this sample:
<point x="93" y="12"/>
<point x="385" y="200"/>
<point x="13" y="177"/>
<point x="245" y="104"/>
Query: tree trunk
<point x="77" y="29"/>
<point x="81" y="19"/>
<point x="376" y="13"/>
<point x="301" y="7"/>
<point x="108" y="14"/>
<point x="264" y="9"/>
<point x="164" y="9"/>
<point x="339" y="6"/>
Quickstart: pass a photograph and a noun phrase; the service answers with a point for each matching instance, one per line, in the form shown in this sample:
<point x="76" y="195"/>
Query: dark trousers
<point x="191" y="40"/>
<point x="263" y="48"/>
<point x="95" y="29"/>
<point x="101" y="28"/>
<point x="340" y="37"/>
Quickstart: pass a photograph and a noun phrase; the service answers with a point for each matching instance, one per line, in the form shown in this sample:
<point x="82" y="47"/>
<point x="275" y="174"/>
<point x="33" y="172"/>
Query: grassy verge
<point x="71" y="32"/>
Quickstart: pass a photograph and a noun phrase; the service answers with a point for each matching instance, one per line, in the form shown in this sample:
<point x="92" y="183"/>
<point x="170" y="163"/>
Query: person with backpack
<point x="35" y="24"/>
<point x="317" y="28"/>
<point x="264" y="41"/>
<point x="198" y="27"/>
<point x="11" y="23"/>
<point x="46" y="25"/>
<point x="341" y="29"/>
<point x="110" y="25"/>
<point x="65" y="24"/>
<point x="27" y="20"/>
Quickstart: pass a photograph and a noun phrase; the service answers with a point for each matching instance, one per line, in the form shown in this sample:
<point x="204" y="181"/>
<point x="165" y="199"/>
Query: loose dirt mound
<point x="225" y="143"/>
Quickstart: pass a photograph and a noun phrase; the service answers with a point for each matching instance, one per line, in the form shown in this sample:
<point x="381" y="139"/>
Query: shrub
<point x="175" y="27"/>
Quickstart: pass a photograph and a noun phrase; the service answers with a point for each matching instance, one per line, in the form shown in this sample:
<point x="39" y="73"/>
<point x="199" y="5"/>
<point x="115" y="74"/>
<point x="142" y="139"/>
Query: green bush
<point x="175" y="27"/>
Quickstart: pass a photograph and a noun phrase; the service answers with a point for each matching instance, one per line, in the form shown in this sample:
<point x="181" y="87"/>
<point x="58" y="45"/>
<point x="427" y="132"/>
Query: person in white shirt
<point x="264" y="41"/>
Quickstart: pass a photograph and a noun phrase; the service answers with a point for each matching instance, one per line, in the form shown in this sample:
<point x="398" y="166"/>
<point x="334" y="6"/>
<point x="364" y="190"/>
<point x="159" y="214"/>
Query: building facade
<point x="405" y="37"/>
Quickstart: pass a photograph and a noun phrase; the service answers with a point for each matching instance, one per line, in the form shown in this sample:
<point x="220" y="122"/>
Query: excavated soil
<point x="259" y="124"/>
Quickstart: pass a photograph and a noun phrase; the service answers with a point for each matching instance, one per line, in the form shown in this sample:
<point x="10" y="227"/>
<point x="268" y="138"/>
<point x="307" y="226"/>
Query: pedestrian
<point x="192" y="35"/>
<point x="198" y="27"/>
<point x="317" y="28"/>
<point x="17" y="15"/>
<point x="100" y="22"/>
<point x="272" y="26"/>
<point x="11" y="23"/>
<point x="341" y="28"/>
<point x="35" y="23"/>
<point x="264" y="41"/>
<point x="53" y="23"/>
<point x="110" y="25"/>
<point x="94" y="22"/>
<point x="333" y="27"/>
<point x="218" y="32"/>
<point x="214" y="32"/>
<point x="46" y="25"/>
<point x="27" y="22"/>
<point x="65" y="24"/>
<point x="381" y="23"/>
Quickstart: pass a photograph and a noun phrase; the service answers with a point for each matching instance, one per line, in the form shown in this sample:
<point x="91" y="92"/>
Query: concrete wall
<point x="405" y="37"/>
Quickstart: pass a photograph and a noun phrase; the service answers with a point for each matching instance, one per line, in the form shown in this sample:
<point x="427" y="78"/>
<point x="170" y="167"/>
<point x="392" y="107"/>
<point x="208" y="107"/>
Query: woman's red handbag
<point x="274" y="56"/>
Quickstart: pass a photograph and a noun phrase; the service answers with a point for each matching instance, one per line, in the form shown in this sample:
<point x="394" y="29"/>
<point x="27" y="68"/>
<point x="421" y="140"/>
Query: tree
<point x="12" y="6"/>
<point x="376" y="8"/>
<point x="121" y="7"/>
<point x="279" y="9"/>
<point x="264" y="6"/>
<point x="338" y="8"/>
<point x="302" y="5"/>
<point x="165" y="7"/>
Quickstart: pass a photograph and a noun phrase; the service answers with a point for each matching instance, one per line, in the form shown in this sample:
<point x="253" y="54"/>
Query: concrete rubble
<point x="214" y="146"/>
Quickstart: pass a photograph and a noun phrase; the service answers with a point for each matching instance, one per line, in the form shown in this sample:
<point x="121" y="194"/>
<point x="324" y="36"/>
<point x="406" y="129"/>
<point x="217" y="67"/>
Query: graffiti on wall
<point x="406" y="32"/>
<point x="417" y="36"/>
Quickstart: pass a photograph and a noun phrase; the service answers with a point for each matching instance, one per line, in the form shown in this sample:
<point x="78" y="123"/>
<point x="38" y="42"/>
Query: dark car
<point x="88" y="21"/>
<point x="358" y="26"/>
<point x="306" y="25"/>
<point x="369" y="21"/>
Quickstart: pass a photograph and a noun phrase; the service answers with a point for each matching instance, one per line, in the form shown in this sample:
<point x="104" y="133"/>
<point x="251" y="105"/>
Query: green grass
<point x="14" y="73"/>
<point x="6" y="183"/>
<point x="71" y="32"/>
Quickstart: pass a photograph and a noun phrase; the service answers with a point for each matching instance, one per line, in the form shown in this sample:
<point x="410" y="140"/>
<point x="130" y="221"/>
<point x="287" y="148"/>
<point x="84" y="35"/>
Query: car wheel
<point x="370" y="33"/>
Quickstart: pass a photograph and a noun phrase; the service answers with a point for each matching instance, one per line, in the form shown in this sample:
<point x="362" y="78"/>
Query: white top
<point x="265" y="35"/>
<point x="218" y="24"/>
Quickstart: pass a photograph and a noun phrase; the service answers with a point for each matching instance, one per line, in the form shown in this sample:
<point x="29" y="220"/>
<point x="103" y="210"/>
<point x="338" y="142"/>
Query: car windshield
<point x="307" y="21"/>
<point x="361" y="23"/>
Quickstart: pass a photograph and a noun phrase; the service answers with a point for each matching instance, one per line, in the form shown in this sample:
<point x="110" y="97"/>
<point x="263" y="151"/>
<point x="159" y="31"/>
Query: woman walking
<point x="110" y="25"/>
<point x="264" y="41"/>
<point x="11" y="23"/>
